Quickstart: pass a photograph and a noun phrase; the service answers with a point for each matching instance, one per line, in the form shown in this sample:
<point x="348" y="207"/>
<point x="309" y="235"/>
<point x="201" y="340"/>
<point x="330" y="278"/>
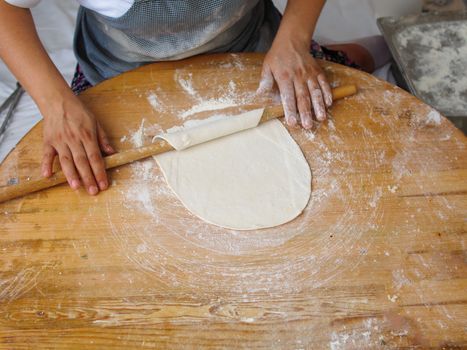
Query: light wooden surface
<point x="377" y="260"/>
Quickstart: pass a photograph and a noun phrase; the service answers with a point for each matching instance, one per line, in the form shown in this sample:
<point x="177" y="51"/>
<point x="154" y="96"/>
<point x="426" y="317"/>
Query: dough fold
<point x="211" y="130"/>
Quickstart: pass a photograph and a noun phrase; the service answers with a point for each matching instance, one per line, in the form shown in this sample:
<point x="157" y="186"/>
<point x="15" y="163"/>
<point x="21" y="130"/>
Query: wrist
<point x="292" y="42"/>
<point x="53" y="103"/>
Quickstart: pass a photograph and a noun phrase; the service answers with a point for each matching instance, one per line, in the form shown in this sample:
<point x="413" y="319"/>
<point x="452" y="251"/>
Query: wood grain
<point x="377" y="259"/>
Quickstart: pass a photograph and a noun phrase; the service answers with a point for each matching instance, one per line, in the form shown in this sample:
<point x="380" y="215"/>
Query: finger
<point x="326" y="89"/>
<point x="84" y="169"/>
<point x="287" y="93"/>
<point x="48" y="156"/>
<point x="97" y="163"/>
<point x="317" y="99"/>
<point x="267" y="81"/>
<point x="304" y="104"/>
<point x="103" y="140"/>
<point x="68" y="167"/>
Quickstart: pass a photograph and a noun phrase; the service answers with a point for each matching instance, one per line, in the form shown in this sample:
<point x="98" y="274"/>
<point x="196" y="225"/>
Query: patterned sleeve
<point x="23" y="3"/>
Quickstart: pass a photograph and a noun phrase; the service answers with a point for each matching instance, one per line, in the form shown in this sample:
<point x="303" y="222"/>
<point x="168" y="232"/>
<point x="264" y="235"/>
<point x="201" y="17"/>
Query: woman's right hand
<point x="72" y="133"/>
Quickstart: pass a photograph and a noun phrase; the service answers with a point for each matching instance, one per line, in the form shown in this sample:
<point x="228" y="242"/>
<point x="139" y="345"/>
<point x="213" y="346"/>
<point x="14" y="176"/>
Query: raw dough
<point x="252" y="179"/>
<point x="211" y="129"/>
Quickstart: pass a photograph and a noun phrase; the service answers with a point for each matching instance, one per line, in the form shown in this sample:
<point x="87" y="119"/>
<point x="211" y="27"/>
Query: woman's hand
<point x="70" y="130"/>
<point x="302" y="84"/>
<point x="72" y="133"/>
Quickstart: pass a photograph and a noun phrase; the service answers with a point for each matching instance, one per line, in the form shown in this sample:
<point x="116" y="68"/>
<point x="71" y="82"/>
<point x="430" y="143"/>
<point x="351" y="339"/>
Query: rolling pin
<point x="131" y="155"/>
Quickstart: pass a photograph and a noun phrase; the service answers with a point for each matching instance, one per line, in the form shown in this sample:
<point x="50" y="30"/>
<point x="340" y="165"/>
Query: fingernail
<point x="102" y="185"/>
<point x="329" y="101"/>
<point x="291" y="120"/>
<point x="93" y="190"/>
<point x="75" y="184"/>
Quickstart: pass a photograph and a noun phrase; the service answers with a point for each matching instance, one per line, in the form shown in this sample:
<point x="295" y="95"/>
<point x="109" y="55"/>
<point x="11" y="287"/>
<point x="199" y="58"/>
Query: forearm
<point x="23" y="53"/>
<point x="299" y="21"/>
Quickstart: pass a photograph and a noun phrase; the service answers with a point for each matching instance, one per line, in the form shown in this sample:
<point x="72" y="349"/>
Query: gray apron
<point x="162" y="30"/>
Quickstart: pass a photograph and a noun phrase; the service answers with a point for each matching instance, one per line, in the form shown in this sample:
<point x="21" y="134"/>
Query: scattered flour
<point x="137" y="138"/>
<point x="209" y="105"/>
<point x="229" y="96"/>
<point x="400" y="279"/>
<point x="365" y="336"/>
<point x="186" y="83"/>
<point x="154" y="101"/>
<point x="433" y="118"/>
<point x="376" y="196"/>
<point x="141" y="192"/>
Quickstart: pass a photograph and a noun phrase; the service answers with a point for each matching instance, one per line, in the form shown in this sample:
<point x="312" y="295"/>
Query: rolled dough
<point x="252" y="179"/>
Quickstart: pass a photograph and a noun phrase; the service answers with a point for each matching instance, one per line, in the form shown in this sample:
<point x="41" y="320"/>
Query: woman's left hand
<point x="302" y="83"/>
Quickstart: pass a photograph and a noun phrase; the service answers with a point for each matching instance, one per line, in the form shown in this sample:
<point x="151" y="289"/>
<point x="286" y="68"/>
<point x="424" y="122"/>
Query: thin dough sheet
<point x="253" y="179"/>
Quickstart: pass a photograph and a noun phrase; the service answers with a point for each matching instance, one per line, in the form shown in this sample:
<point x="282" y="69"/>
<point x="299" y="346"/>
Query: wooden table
<point x="377" y="259"/>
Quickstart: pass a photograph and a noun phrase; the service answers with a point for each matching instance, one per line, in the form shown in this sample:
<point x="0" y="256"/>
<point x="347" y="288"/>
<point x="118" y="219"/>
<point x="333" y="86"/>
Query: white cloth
<point x="110" y="8"/>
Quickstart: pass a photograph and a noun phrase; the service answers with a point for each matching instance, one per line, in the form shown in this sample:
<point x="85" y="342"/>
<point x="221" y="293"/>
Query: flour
<point x="376" y="196"/>
<point x="228" y="96"/>
<point x="140" y="194"/>
<point x="186" y="83"/>
<point x="208" y="105"/>
<point x="137" y="137"/>
<point x="140" y="136"/>
<point x="433" y="118"/>
<point x="154" y="101"/>
<point x="438" y="51"/>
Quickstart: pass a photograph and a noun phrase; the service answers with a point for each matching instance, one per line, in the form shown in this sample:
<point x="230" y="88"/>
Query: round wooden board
<point x="377" y="259"/>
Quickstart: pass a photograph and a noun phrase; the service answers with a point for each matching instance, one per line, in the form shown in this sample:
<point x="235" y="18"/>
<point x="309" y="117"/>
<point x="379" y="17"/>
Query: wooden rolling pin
<point x="129" y="156"/>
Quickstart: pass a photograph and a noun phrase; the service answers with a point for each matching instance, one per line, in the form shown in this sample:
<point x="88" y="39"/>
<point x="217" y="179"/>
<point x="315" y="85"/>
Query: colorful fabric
<point x="79" y="82"/>
<point x="323" y="53"/>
